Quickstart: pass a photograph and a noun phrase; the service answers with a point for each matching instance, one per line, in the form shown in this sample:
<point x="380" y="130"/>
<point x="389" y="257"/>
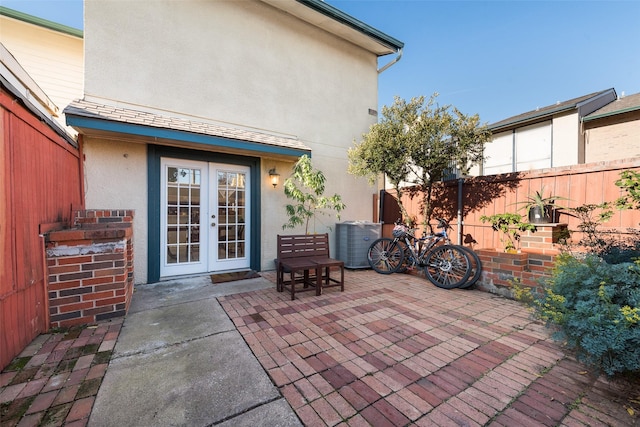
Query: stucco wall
<point x="237" y="62"/>
<point x="499" y="154"/>
<point x="241" y="63"/>
<point x="533" y="146"/>
<point x="566" y="140"/>
<point x="541" y="145"/>
<point x="118" y="180"/>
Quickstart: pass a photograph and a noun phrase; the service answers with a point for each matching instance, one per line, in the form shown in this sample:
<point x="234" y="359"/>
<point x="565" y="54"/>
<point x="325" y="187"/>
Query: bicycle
<point x="476" y="265"/>
<point x="445" y="265"/>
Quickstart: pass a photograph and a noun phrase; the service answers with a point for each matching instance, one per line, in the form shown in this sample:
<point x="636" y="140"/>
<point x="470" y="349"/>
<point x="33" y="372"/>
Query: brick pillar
<point x="90" y="268"/>
<point x="544" y="239"/>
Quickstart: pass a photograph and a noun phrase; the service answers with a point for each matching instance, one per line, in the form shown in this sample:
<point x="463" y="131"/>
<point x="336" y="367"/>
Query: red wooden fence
<point x="41" y="181"/>
<point x="581" y="184"/>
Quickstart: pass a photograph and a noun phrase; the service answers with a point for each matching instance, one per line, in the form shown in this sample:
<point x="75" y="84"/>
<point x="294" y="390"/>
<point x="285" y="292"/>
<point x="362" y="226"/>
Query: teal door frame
<point x="154" y="154"/>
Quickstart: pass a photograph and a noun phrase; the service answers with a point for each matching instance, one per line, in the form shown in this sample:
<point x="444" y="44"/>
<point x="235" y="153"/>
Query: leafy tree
<point x="306" y="187"/>
<point x="415" y="144"/>
<point x="381" y="150"/>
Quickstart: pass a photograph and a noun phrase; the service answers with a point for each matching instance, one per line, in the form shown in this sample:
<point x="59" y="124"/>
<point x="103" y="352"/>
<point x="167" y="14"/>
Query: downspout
<point x="396" y="59"/>
<point x="460" y="208"/>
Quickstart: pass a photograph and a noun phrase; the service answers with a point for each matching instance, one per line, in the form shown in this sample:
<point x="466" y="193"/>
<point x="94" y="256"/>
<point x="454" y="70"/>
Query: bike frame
<point x="417" y="247"/>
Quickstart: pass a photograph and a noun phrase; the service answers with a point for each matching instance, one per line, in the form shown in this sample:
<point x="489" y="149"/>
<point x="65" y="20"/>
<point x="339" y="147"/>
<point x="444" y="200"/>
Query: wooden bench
<point x="300" y="256"/>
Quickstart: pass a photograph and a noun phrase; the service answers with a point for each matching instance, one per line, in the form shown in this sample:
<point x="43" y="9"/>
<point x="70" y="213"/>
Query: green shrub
<point x="619" y="251"/>
<point x="597" y="307"/>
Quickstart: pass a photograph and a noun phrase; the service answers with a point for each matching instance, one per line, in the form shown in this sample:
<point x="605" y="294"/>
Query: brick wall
<point x="90" y="268"/>
<point x="500" y="269"/>
<point x="616" y="137"/>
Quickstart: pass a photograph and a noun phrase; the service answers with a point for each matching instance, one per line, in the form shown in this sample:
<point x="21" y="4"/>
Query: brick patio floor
<point x="55" y="379"/>
<point x="396" y="350"/>
<point x="389" y="351"/>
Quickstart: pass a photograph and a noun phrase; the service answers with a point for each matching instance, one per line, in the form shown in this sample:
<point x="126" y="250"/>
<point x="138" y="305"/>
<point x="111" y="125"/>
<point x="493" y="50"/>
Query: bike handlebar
<point x="442" y="223"/>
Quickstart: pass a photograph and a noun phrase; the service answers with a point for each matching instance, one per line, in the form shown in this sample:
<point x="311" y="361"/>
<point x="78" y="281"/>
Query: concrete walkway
<point x="179" y="360"/>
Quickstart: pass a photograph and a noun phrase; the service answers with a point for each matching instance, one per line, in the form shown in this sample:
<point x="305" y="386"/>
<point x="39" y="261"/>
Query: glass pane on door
<point x="183" y="215"/>
<point x="231" y="214"/>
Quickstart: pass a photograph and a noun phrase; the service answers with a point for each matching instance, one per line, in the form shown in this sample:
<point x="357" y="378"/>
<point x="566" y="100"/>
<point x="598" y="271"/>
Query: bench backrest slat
<point x="303" y="245"/>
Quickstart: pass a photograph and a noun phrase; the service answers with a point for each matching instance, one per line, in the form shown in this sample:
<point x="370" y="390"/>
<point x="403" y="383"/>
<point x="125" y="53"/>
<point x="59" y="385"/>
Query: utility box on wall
<point x="353" y="239"/>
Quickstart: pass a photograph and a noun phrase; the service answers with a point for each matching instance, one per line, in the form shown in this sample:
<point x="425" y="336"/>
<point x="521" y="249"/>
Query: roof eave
<point x="334" y="21"/>
<point x="611" y="113"/>
<point x="83" y="124"/>
<point x="50" y="25"/>
<point x="348" y="20"/>
<point x="530" y="119"/>
<point x="537" y="116"/>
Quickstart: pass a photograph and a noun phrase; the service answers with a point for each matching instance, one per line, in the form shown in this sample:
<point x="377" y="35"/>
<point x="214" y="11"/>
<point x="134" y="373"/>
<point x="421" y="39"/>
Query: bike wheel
<point x="476" y="268"/>
<point x="407" y="258"/>
<point x="385" y="256"/>
<point x="447" y="266"/>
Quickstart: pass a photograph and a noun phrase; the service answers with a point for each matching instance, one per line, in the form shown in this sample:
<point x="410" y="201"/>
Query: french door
<point x="205" y="213"/>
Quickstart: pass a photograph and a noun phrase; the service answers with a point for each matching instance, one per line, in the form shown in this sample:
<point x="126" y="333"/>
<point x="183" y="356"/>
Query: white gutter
<point x="21" y="80"/>
<point x="396" y="59"/>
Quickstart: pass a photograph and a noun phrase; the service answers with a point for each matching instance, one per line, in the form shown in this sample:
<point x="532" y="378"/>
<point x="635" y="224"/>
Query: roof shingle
<point x="619" y="106"/>
<point x="93" y="110"/>
<point x="545" y="111"/>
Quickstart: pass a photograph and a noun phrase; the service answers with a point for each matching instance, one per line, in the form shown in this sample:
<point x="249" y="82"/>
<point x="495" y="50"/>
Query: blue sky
<point x="494" y="58"/>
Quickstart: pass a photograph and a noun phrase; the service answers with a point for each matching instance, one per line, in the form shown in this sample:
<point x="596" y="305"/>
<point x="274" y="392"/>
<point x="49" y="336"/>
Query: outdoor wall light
<point x="274" y="177"/>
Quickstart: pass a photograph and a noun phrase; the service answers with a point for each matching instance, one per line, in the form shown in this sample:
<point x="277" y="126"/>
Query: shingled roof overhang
<point x="91" y="118"/>
<point x="545" y="113"/>
<point x="623" y="105"/>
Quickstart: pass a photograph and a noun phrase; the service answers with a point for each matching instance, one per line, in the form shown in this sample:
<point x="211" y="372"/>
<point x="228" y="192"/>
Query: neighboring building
<point x="613" y="131"/>
<point x="51" y="53"/>
<point x="189" y="105"/>
<point x="546" y="137"/>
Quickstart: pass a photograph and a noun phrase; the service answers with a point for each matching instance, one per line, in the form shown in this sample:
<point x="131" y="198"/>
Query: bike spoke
<point x="448" y="267"/>
<point x="385" y="256"/>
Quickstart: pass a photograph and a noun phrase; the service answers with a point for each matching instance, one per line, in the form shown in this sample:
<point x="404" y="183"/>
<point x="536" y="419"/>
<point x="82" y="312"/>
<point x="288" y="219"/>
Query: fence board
<point x="582" y="184"/>
<point x="40" y="183"/>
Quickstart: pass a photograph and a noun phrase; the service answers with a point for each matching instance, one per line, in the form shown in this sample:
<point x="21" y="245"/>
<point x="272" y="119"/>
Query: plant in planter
<point x="510" y="226"/>
<point x="540" y="209"/>
<point x="306" y="188"/>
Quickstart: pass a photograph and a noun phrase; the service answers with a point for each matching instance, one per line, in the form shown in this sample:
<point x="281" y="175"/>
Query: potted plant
<point x="540" y="209"/>
<point x="306" y="188"/>
<point x="510" y="225"/>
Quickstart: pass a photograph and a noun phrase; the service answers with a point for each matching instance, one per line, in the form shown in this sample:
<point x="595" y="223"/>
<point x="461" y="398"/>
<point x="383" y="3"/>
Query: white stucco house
<point x="546" y="137"/>
<point x="189" y="105"/>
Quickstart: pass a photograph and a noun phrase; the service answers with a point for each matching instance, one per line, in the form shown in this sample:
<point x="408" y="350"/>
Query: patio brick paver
<point x="55" y="379"/>
<point x="390" y="350"/>
<point x="396" y="350"/>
